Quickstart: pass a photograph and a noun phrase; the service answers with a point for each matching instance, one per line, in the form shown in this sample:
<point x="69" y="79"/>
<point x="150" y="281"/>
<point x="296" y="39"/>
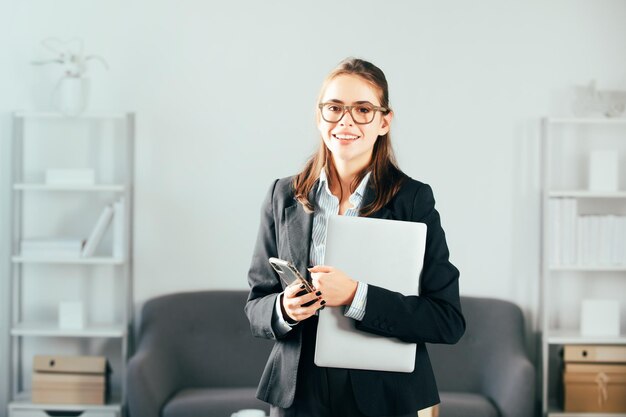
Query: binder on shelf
<point x="98" y="231"/>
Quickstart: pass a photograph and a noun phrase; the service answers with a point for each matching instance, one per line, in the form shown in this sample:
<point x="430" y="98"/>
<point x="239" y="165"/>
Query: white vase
<point x="73" y="95"/>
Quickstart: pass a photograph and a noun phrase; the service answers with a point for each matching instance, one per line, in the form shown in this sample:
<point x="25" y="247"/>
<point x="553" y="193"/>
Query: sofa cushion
<point x="212" y="402"/>
<point x="461" y="404"/>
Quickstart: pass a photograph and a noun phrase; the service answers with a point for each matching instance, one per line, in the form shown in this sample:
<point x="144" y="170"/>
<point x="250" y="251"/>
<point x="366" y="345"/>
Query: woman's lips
<point x="345" y="137"/>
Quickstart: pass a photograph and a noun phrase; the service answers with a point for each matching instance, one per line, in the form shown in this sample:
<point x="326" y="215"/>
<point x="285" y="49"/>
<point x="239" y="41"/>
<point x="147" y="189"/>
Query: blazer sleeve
<point x="435" y="315"/>
<point x="264" y="284"/>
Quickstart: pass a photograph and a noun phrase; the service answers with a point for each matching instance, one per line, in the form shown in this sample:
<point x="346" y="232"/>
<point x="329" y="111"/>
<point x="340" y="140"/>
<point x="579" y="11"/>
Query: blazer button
<point x="390" y="328"/>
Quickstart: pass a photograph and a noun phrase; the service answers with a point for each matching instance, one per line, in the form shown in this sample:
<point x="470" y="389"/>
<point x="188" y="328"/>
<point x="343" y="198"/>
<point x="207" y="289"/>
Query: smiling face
<point x="351" y="144"/>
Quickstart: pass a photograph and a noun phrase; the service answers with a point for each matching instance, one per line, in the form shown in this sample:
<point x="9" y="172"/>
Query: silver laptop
<point x="385" y="253"/>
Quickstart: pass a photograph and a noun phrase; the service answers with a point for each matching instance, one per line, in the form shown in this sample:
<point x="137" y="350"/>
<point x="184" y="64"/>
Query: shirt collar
<point x="360" y="190"/>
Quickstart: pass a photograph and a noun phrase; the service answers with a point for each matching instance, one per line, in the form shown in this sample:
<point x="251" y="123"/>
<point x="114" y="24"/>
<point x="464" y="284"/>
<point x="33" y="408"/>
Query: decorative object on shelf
<point x="603" y="171"/>
<point x="71" y="94"/>
<point x="599" y="318"/>
<point x="71" y="315"/>
<point x="588" y="101"/>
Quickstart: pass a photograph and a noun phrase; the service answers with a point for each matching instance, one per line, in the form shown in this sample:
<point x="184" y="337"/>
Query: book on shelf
<point x="98" y="231"/>
<point x="114" y="213"/>
<point x="584" y="239"/>
<point x="50" y="247"/>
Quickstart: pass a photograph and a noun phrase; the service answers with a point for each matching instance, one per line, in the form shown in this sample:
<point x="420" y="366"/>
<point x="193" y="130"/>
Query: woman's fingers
<point x="298" y="301"/>
<point x="294" y="288"/>
<point x="302" y="313"/>
<point x="321" y="268"/>
<point x="297" y="306"/>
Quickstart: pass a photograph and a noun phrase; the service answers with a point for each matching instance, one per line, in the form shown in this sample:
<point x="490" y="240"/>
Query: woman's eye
<point x="332" y="108"/>
<point x="364" y="109"/>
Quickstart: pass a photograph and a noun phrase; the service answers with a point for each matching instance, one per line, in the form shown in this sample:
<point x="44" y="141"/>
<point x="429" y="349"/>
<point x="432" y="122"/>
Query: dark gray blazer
<point x="432" y="317"/>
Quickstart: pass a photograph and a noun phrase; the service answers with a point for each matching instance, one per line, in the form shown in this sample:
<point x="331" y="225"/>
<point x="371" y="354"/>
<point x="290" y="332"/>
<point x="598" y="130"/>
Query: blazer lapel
<point x="368" y="198"/>
<point x="299" y="229"/>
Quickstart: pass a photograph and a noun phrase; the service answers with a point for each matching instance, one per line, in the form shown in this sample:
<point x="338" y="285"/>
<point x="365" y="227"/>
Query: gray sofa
<point x="197" y="358"/>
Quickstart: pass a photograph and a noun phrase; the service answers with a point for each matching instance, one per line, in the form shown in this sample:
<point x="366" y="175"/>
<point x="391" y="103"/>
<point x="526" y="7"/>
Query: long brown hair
<point x="386" y="178"/>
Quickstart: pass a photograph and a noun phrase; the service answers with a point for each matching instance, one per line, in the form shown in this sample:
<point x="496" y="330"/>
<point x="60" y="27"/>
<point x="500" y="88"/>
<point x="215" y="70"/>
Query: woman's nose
<point x="347" y="119"/>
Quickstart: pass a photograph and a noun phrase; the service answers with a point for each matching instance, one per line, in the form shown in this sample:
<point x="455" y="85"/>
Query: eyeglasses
<point x="364" y="114"/>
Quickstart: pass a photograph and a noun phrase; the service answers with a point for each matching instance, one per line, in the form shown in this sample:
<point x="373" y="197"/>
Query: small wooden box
<point x="70" y="380"/>
<point x="595" y="353"/>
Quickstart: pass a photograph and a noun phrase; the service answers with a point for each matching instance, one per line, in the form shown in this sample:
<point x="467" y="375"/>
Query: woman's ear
<point x="385" y="123"/>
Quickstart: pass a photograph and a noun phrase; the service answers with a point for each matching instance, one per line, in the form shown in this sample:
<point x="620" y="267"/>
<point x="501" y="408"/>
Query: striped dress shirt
<point x="327" y="204"/>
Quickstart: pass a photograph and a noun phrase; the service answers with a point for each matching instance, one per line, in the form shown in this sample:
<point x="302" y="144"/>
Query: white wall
<point x="225" y="94"/>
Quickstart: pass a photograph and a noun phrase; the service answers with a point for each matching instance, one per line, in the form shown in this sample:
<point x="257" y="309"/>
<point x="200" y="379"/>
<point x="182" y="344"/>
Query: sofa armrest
<point x="151" y="380"/>
<point x="510" y="384"/>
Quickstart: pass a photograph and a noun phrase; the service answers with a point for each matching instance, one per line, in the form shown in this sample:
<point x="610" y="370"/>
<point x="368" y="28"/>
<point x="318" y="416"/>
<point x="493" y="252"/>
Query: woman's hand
<point x="336" y="287"/>
<point x="293" y="304"/>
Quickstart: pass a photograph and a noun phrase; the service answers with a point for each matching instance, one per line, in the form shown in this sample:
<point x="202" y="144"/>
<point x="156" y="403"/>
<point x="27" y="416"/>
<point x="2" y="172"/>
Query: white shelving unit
<point x="104" y="143"/>
<point x="566" y="143"/>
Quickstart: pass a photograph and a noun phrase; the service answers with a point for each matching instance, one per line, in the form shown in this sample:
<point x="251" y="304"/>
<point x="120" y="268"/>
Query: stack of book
<point x="57" y="248"/>
<point x="586" y="240"/>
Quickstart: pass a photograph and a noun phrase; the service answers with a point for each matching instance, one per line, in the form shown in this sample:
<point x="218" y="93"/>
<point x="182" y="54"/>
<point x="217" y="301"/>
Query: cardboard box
<point x="70" y="380"/>
<point x="591" y="387"/>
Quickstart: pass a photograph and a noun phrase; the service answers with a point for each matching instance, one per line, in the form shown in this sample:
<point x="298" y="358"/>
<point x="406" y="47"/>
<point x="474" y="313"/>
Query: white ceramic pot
<point x="73" y="95"/>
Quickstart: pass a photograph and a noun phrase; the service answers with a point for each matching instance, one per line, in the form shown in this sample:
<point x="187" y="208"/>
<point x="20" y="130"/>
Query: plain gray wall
<point x="225" y="93"/>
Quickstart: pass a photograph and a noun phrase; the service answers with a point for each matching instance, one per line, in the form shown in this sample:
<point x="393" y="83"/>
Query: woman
<point x="353" y="173"/>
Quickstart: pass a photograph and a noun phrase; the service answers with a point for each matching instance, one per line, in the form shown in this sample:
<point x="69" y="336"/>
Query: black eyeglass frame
<point x="348" y="108"/>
